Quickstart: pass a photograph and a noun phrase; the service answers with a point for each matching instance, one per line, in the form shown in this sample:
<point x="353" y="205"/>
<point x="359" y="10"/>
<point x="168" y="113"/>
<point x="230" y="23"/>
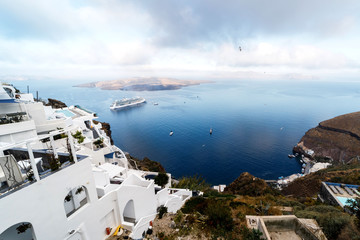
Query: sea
<point x="255" y="123"/>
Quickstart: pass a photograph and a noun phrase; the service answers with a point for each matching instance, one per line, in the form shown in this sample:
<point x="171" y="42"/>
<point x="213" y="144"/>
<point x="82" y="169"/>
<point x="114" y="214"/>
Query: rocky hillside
<point x="107" y="129"/>
<point x="337" y="139"/>
<point x="247" y="184"/>
<point x="145" y="164"/>
<point x="55" y="103"/>
<point x="309" y="186"/>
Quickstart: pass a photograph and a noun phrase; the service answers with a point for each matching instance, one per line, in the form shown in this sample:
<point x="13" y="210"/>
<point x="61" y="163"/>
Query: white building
<point x="85" y="197"/>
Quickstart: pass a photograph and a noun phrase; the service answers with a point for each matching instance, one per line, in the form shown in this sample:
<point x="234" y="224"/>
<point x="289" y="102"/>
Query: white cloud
<point x="106" y="38"/>
<point x="267" y="54"/>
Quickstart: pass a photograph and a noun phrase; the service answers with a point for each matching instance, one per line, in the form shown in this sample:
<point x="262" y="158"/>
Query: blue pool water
<point x="66" y="112"/>
<point x="343" y="200"/>
<point x="255" y="124"/>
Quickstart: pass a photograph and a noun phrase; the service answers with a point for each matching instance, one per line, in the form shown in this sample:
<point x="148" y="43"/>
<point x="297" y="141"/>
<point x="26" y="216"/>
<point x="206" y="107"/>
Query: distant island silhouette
<point x="142" y="84"/>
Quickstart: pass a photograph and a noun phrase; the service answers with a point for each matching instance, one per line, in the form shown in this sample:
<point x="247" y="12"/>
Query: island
<point x="335" y="140"/>
<point x="142" y="84"/>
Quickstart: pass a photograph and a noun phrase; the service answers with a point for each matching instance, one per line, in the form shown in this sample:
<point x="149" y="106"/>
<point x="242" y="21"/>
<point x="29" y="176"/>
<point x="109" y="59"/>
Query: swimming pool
<point x="343" y="200"/>
<point x="66" y="112"/>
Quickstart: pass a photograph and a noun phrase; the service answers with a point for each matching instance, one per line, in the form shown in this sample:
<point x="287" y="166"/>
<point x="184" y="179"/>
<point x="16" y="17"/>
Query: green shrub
<point x="162" y="211"/>
<point x="235" y="204"/>
<point x="195" y="204"/>
<point x="333" y="224"/>
<point x="78" y="136"/>
<point x="212" y="193"/>
<point x="54" y="163"/>
<point x="178" y="217"/>
<point x="354" y="207"/>
<point x="219" y="216"/>
<point x="161" y="179"/>
<point x="193" y="183"/>
<point x="323" y="209"/>
<point x="252" y="234"/>
<point x="330" y="219"/>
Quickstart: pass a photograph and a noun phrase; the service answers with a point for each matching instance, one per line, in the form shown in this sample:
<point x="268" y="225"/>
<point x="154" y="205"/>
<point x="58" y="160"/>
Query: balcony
<point x="13" y="117"/>
<point x="21" y="167"/>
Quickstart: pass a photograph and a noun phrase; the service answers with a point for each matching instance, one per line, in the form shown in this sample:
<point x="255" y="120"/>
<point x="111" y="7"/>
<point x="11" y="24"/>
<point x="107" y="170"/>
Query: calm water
<point x="255" y="124"/>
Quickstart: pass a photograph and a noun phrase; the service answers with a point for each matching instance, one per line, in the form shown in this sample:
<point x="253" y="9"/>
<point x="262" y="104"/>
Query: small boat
<point x="156" y="104"/>
<point x="211" y="131"/>
<point x="291" y="156"/>
<point x="171" y="133"/>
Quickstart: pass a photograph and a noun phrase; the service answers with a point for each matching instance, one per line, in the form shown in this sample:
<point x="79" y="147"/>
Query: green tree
<point x="161" y="179"/>
<point x="354" y="206"/>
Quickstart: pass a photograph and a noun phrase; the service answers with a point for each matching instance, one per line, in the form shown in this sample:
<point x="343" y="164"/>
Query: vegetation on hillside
<point x="309" y="185"/>
<point x="246" y="184"/>
<point x="222" y="215"/>
<point x="193" y="183"/>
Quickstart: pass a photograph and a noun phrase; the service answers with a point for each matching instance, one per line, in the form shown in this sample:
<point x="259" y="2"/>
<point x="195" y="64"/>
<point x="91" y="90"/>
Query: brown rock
<point x="337" y="138"/>
<point x="55" y="103"/>
<point x="106" y="128"/>
<point x="247" y="184"/>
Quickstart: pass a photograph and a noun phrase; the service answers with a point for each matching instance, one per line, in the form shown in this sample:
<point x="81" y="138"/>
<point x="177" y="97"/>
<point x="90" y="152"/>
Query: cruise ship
<point x="127" y="102"/>
<point x="62" y="179"/>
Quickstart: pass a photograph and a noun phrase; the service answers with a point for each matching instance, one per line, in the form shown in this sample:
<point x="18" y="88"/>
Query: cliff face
<point x="337" y="138"/>
<point x="146" y="164"/>
<point x="106" y="128"/>
<point x="55" y="103"/>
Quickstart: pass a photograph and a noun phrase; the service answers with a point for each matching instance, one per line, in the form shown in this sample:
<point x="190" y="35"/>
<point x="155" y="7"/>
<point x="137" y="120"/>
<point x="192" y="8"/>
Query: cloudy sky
<point x="109" y="39"/>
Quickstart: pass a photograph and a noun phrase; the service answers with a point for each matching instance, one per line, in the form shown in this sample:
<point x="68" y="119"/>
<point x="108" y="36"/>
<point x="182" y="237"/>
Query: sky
<point x="112" y="39"/>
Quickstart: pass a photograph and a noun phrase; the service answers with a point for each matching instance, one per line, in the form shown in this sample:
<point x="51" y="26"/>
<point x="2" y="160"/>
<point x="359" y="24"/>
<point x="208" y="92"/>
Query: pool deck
<point x="339" y="192"/>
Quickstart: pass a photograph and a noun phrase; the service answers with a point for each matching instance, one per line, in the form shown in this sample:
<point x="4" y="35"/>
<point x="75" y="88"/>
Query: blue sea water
<point x="255" y="123"/>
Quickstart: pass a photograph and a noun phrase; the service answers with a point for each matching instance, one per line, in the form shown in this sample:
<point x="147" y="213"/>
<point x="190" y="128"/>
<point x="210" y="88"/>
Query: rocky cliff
<point x="55" y="103"/>
<point x="106" y="128"/>
<point x="336" y="139"/>
<point x="145" y="165"/>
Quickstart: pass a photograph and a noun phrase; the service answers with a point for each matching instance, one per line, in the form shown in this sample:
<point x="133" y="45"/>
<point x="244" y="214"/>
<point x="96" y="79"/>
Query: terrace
<point x="285" y="227"/>
<point x="13" y="117"/>
<point x="21" y="167"/>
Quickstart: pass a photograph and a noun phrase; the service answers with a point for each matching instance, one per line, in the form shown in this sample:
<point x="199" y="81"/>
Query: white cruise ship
<point x="61" y="179"/>
<point x="127" y="102"/>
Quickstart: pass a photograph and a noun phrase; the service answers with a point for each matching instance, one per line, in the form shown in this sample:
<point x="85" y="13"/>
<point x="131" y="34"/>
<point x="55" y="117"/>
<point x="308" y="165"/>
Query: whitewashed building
<point x="60" y="177"/>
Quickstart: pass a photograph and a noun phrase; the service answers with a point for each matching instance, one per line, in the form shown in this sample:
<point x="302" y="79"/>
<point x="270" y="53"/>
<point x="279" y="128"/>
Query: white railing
<point x="141" y="226"/>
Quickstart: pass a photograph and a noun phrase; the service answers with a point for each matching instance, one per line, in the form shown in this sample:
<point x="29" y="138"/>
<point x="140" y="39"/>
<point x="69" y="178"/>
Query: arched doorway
<point x="19" y="231"/>
<point x="129" y="212"/>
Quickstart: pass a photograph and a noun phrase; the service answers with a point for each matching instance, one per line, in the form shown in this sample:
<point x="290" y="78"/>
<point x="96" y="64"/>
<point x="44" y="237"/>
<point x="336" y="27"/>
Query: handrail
<point x="141" y="223"/>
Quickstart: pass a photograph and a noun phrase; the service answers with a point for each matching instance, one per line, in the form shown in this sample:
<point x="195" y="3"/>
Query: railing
<point x="22" y="181"/>
<point x="141" y="226"/>
<point x="13" y="117"/>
